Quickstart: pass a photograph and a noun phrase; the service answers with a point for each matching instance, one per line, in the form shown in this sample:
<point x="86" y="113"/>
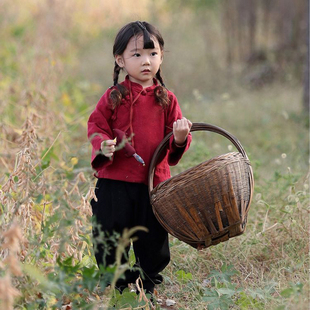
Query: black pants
<point x="125" y="205"/>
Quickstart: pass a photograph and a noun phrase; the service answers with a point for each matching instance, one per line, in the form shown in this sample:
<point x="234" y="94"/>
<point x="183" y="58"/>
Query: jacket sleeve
<point x="174" y="113"/>
<point x="99" y="130"/>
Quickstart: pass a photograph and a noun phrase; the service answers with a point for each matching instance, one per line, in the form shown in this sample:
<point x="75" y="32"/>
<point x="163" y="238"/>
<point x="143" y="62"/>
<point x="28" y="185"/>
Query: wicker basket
<point x="208" y="203"/>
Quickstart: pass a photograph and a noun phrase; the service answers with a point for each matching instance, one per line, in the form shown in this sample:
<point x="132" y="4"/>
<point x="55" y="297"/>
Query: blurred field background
<point x="239" y="64"/>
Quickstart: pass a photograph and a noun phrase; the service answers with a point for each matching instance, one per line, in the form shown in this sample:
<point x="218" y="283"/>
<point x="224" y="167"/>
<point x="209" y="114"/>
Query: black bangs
<point x="148" y="44"/>
<point x="147" y="41"/>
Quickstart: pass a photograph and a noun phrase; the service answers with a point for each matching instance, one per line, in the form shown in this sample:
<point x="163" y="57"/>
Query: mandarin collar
<point x="137" y="87"/>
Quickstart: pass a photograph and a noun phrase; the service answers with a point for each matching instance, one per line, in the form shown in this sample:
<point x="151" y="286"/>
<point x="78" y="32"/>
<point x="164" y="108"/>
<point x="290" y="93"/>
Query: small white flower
<point x="170" y="302"/>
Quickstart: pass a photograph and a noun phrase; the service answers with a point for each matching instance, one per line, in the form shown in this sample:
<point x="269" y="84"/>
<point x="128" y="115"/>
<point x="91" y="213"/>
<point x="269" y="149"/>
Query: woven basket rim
<point x="195" y="127"/>
<point x="207" y="162"/>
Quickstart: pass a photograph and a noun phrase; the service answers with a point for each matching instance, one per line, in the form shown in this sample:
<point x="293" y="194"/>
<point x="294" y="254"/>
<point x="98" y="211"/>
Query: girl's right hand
<point x="108" y="147"/>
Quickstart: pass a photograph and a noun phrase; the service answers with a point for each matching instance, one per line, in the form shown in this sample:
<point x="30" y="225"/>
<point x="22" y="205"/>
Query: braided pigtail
<point x="160" y="91"/>
<point x="118" y="93"/>
<point x="117" y="70"/>
<point x="159" y="78"/>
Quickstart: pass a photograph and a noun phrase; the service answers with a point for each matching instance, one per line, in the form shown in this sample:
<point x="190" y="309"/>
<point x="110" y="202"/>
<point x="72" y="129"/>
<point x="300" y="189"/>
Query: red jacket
<point x="149" y="123"/>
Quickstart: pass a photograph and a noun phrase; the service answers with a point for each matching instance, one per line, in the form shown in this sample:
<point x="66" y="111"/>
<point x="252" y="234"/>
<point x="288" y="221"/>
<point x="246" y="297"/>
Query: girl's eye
<point x="136" y="54"/>
<point x="154" y="54"/>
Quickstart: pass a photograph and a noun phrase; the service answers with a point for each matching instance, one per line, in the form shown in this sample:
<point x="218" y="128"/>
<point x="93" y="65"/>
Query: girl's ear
<point x="119" y="60"/>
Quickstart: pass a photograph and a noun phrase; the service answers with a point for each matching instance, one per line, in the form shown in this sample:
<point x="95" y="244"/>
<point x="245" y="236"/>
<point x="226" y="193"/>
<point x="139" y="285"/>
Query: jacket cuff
<point x="176" y="152"/>
<point x="98" y="160"/>
<point x="182" y="145"/>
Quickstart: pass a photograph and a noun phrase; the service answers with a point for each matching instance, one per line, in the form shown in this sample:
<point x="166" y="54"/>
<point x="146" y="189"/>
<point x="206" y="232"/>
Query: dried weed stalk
<point x="16" y="193"/>
<point x="10" y="248"/>
<point x="17" y="207"/>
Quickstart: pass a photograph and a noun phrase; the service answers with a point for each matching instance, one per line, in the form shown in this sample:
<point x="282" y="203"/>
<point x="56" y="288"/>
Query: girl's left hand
<point x="181" y="129"/>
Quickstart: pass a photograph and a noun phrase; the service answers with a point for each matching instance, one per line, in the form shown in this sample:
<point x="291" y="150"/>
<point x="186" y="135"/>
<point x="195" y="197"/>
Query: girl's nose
<point x="146" y="61"/>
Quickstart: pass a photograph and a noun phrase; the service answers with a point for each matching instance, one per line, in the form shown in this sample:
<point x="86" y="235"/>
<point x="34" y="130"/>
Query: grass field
<point x="49" y="84"/>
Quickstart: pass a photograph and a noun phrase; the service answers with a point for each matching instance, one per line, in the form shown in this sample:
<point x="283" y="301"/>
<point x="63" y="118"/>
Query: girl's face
<point x="140" y="64"/>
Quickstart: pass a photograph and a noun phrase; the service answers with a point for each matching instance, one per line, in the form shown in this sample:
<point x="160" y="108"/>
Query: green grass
<point x="46" y="183"/>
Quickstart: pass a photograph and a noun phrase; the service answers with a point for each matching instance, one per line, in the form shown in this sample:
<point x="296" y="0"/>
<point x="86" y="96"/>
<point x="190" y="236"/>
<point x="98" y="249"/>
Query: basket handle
<point x="195" y="127"/>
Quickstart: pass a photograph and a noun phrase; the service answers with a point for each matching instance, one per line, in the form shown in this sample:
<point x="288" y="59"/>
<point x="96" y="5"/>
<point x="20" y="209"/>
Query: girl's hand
<point x="181" y="129"/>
<point x="108" y="147"/>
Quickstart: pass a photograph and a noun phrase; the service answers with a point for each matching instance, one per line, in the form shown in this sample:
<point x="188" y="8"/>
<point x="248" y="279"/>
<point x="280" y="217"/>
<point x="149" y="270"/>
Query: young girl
<point x="142" y="111"/>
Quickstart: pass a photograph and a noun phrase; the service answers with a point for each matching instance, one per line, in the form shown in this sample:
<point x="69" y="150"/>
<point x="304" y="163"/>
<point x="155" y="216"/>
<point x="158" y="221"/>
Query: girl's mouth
<point x="146" y="71"/>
